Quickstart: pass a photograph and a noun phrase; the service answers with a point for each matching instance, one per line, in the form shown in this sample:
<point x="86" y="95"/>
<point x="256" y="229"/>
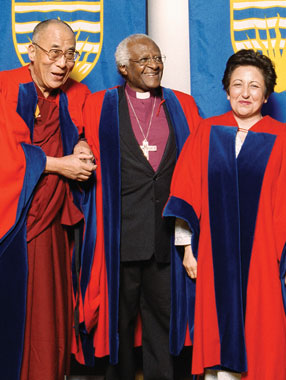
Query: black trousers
<point x="144" y="288"/>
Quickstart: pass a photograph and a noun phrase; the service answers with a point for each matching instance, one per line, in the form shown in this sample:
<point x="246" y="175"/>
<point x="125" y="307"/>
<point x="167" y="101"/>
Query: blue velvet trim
<point x="14" y="271"/>
<point x="251" y="165"/>
<point x="69" y="131"/>
<point x="35" y="165"/>
<point x="27" y="103"/>
<point x="88" y="206"/>
<point x="183" y="287"/>
<point x="282" y="275"/>
<point x="87" y="345"/>
<point x="234" y="191"/>
<point x="225" y="236"/>
<point x="178" y="118"/>
<point x="84" y="200"/>
<point x="111" y="191"/>
<point x="13" y="285"/>
<point x="75" y="284"/>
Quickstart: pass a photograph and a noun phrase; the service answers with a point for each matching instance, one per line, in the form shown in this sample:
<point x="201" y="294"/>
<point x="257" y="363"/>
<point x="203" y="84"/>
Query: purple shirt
<point x="159" y="129"/>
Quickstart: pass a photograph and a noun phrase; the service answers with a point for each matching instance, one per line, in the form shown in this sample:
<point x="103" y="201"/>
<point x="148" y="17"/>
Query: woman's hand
<point x="189" y="262"/>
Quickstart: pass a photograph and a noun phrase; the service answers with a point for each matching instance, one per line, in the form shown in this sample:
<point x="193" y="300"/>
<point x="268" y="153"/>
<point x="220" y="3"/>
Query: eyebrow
<point x="55" y="46"/>
<point x="241" y="80"/>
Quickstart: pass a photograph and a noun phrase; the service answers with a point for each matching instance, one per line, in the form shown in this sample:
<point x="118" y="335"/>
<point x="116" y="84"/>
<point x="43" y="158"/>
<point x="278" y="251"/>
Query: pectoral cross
<point x="146" y="148"/>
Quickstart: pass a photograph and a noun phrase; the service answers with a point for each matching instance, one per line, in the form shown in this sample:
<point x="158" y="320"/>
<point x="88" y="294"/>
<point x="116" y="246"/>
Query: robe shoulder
<point x="189" y="108"/>
<point x="10" y="81"/>
<point x="186" y="100"/>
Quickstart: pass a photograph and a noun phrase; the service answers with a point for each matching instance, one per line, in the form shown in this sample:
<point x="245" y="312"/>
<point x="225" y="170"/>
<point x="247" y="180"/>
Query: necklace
<point x="244" y="130"/>
<point x="145" y="147"/>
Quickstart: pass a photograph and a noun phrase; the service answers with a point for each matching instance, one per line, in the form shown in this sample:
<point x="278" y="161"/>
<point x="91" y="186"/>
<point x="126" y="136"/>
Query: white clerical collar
<point x="142" y="95"/>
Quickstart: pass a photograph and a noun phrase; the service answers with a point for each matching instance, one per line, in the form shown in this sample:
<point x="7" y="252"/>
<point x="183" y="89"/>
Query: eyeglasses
<point x="55" y="54"/>
<point x="147" y="60"/>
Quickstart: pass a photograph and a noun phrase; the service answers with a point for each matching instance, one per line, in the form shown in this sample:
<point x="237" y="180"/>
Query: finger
<point x="193" y="272"/>
<point x="192" y="275"/>
<point x="85" y="156"/>
<point x="83" y="178"/>
<point x="87" y="168"/>
<point x="88" y="165"/>
<point x="190" y="272"/>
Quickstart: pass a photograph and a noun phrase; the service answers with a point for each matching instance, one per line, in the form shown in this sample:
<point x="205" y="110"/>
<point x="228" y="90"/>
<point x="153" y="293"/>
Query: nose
<point x="245" y="91"/>
<point x="153" y="64"/>
<point x="61" y="62"/>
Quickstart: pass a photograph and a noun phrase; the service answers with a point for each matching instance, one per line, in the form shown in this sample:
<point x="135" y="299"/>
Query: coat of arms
<point x="85" y="18"/>
<point x="261" y="25"/>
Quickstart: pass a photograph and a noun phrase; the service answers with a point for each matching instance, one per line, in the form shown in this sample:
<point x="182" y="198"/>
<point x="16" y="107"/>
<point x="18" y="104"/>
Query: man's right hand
<point x="78" y="167"/>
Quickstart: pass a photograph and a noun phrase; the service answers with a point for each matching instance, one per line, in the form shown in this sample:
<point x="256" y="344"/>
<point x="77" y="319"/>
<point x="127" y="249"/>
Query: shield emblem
<point x="261" y="25"/>
<point x="85" y="18"/>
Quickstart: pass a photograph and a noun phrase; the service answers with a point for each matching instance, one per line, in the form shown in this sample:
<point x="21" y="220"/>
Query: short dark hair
<point x="39" y="28"/>
<point x="249" y="57"/>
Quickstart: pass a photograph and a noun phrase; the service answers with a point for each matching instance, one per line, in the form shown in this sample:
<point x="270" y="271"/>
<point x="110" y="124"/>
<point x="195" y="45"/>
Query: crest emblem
<point x="84" y="17"/>
<point x="261" y="25"/>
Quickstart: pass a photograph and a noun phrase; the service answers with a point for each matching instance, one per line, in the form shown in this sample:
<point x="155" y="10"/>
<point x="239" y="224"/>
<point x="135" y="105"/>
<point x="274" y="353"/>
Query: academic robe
<point x="22" y="165"/>
<point x="99" y="290"/>
<point x="236" y="209"/>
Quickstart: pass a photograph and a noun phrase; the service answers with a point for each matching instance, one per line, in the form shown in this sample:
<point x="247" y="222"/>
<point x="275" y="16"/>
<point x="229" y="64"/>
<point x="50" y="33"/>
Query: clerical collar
<point x="137" y="95"/>
<point x="143" y="95"/>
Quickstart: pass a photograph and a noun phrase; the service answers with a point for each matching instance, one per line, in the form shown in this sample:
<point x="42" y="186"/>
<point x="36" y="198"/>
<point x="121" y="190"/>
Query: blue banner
<point x="99" y="26"/>
<point x="219" y="28"/>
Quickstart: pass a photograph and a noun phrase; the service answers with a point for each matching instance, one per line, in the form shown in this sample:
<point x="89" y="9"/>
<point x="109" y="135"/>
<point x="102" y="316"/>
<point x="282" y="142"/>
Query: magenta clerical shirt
<point x="159" y="129"/>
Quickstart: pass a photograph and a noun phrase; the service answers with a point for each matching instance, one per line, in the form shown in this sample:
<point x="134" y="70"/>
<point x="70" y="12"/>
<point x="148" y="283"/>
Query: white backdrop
<point x="168" y="25"/>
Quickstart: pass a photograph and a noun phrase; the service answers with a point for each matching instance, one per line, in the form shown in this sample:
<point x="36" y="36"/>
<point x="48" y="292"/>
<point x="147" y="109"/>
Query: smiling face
<point x="48" y="74"/>
<point x="147" y="77"/>
<point x="247" y="92"/>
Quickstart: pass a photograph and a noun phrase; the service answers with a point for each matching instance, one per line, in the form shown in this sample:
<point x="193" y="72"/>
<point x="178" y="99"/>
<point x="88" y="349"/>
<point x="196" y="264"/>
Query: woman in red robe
<point x="229" y="187"/>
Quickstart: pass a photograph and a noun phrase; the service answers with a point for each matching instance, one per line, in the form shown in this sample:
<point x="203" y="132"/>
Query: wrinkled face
<point x="147" y="77"/>
<point x="247" y="92"/>
<point x="48" y="74"/>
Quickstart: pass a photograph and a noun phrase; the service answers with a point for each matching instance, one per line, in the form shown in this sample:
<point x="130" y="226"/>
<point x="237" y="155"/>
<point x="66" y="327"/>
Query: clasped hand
<point x="78" y="166"/>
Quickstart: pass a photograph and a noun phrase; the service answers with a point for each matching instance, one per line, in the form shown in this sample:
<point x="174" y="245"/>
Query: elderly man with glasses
<point x="41" y="119"/>
<point x="136" y="132"/>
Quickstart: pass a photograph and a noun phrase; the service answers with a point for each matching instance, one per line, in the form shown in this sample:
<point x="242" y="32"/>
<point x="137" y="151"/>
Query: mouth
<point x="244" y="103"/>
<point x="58" y="76"/>
<point x="151" y="74"/>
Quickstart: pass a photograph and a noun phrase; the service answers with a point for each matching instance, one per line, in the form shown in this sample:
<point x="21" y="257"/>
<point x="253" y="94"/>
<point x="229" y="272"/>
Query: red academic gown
<point x="39" y="205"/>
<point x="100" y="295"/>
<point x="236" y="209"/>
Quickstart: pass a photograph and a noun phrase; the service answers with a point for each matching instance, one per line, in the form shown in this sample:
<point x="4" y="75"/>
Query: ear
<point x="265" y="100"/>
<point x="228" y="97"/>
<point x="122" y="70"/>
<point x="31" y="52"/>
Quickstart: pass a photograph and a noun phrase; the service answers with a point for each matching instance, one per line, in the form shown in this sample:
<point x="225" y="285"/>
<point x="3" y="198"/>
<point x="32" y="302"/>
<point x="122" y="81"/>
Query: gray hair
<point x="122" y="54"/>
<point x="42" y="26"/>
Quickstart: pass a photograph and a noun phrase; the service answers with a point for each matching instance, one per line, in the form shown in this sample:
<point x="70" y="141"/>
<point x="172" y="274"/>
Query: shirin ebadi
<point x="261" y="26"/>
